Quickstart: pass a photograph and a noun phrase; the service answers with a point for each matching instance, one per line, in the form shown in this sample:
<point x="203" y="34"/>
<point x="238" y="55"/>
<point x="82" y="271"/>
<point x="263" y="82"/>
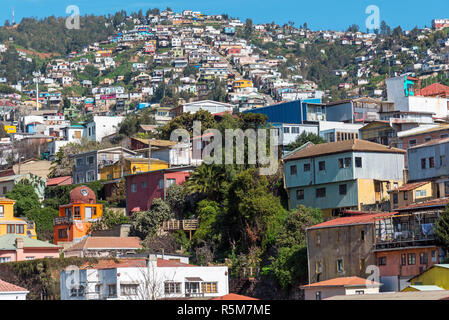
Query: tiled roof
<point x="106" y="243"/>
<point x="342" y="146"/>
<point x="116" y="263"/>
<point x="8" y="242"/>
<point x="427" y="130"/>
<point x="358" y="219"/>
<point x="430" y="143"/>
<point x="9" y="287"/>
<point x="431" y="203"/>
<point x="411" y="186"/>
<point x="342" y="282"/>
<point x="161" y="263"/>
<point x="156" y="142"/>
<point x="435" y="89"/>
<point x="59" y="181"/>
<point x="233" y="296"/>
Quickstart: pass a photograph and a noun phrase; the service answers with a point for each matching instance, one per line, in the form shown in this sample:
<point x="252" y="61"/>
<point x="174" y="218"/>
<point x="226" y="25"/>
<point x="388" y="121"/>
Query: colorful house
<point x="14" y="247"/>
<point x="12" y="225"/>
<point x="130" y="166"/>
<point x="9" y="291"/>
<point x="142" y="188"/>
<point x="343" y="175"/>
<point x="437" y="275"/>
<point x="412" y="193"/>
<point x="75" y="218"/>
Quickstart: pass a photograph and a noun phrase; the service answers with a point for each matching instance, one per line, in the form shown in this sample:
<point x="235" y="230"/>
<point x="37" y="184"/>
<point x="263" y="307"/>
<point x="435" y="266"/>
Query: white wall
<point x="105" y="126"/>
<point x="22" y="295"/>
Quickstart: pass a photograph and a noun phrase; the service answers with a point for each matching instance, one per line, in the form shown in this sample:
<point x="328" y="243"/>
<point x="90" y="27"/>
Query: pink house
<point x="15" y="247"/>
<point x="142" y="188"/>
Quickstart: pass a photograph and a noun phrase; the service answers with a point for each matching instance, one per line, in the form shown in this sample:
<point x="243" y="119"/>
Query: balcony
<point x="191" y="224"/>
<point x="70" y="220"/>
<point x="408" y="230"/>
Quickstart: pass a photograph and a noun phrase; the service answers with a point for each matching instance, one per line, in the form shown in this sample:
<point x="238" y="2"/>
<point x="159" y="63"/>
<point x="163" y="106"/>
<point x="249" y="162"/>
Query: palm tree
<point x="206" y="180"/>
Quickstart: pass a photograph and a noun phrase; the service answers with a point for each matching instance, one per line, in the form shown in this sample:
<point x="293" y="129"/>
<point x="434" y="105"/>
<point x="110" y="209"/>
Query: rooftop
<point x="441" y="202"/>
<point x="106" y="243"/>
<point x="411" y="186"/>
<point x="8" y="242"/>
<point x="343" y="282"/>
<point x="340" y="147"/>
<point x="357" y="219"/>
<point x="411" y="295"/>
<point x="9" y="287"/>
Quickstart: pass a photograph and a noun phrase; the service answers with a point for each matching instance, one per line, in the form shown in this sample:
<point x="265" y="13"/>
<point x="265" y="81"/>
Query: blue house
<point x="294" y="112"/>
<point x="343" y="175"/>
<point x="429" y="161"/>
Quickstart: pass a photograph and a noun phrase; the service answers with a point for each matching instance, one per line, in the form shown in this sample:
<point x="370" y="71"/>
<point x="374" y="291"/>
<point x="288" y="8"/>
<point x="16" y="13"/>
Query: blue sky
<point x="319" y="14"/>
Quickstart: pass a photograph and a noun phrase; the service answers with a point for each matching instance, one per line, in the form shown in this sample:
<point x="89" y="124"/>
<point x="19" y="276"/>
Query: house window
<point x="2" y="211"/>
<point x="112" y="290"/>
<point x="76" y="213"/>
<point x="79" y="162"/>
<point x="321" y="192"/>
<point x="286" y="129"/>
<point x="133" y="187"/>
<point x="10" y="228"/>
<point x="87" y="212"/>
<point x="295" y="129"/>
<point x="5" y="259"/>
<point x="293" y="170"/>
<point x="160" y="184"/>
<point x="172" y="287"/>
<point x="403" y="259"/>
<point x="77" y="291"/>
<point x="62" y="233"/>
<point x="306" y="167"/>
<point x="97" y="288"/>
<point x="427" y="139"/>
<point x="342" y="189"/>
<point x="340" y="265"/>
<point x="423" y="163"/>
<point x="411" y="258"/>
<point x="209" y="287"/>
<point x="5" y="190"/>
<point x="348" y="162"/>
<point x="405" y="195"/>
<point x="170" y="182"/>
<point x="358" y="162"/>
<point x="128" y="289"/>
<point x="434" y="256"/>
<point x="412" y="142"/>
<point x="20" y="229"/>
<point x="300" y="194"/>
<point x="143" y="184"/>
<point x="318" y="295"/>
<point x="382" y="261"/>
<point x="340" y="163"/>
<point x="90" y="159"/>
<point x="29" y="258"/>
<point x="322" y="165"/>
<point x="362" y="235"/>
<point x="318" y="240"/>
<point x="444" y="135"/>
<point x="319" y="267"/>
<point x="431" y="162"/>
<point x="420" y="193"/>
<point x="395" y="198"/>
<point x="90" y="176"/>
<point x="360" y="292"/>
<point x="423" y="258"/>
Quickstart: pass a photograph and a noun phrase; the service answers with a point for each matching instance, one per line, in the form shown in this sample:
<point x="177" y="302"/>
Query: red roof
<point x="118" y="263"/>
<point x="9" y="287"/>
<point x="161" y="263"/>
<point x="357" y="219"/>
<point x="433" y="90"/>
<point x="411" y="186"/>
<point x="441" y="202"/>
<point x="59" y="181"/>
<point x="342" y="282"/>
<point x="107" y="243"/>
<point x="233" y="296"/>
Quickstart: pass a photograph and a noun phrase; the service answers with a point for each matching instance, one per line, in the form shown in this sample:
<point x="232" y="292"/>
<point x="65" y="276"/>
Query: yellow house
<point x="412" y="193"/>
<point x="130" y="166"/>
<point x="437" y="275"/>
<point x="239" y="84"/>
<point x="12" y="225"/>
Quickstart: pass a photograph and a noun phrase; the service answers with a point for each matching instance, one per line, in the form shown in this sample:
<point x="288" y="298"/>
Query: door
<point x="377" y="190"/>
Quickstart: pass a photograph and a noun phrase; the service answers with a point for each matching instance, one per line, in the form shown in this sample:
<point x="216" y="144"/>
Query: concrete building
<point x="102" y="126"/>
<point x="9" y="291"/>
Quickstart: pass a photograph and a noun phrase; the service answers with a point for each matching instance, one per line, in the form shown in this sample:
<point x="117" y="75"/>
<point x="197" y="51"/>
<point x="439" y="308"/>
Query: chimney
<point x="19" y="249"/>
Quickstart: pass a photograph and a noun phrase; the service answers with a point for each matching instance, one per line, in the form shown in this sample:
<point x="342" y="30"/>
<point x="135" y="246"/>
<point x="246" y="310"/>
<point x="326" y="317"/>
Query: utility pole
<point x="37" y="93"/>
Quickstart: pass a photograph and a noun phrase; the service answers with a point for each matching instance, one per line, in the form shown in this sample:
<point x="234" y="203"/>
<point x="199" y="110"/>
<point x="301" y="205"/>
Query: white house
<point x="208" y="105"/>
<point x="9" y="291"/>
<point x="150" y="278"/>
<point x="102" y="126"/>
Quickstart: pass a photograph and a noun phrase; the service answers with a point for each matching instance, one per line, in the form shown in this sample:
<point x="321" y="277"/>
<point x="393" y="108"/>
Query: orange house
<point x="76" y="218"/>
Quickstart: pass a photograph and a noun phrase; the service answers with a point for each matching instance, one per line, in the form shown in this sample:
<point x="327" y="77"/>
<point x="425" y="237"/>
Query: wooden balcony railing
<point x="191" y="224"/>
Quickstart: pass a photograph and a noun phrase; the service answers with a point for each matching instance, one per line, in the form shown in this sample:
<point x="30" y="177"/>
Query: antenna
<point x="13" y="21"/>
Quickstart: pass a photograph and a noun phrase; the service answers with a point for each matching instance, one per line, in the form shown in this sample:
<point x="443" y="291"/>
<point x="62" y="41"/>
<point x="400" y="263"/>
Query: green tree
<point x="185" y="121"/>
<point x="148" y="223"/>
<point x="109" y="220"/>
<point x="303" y="138"/>
<point x="442" y="229"/>
<point x="26" y="198"/>
<point x="43" y="219"/>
